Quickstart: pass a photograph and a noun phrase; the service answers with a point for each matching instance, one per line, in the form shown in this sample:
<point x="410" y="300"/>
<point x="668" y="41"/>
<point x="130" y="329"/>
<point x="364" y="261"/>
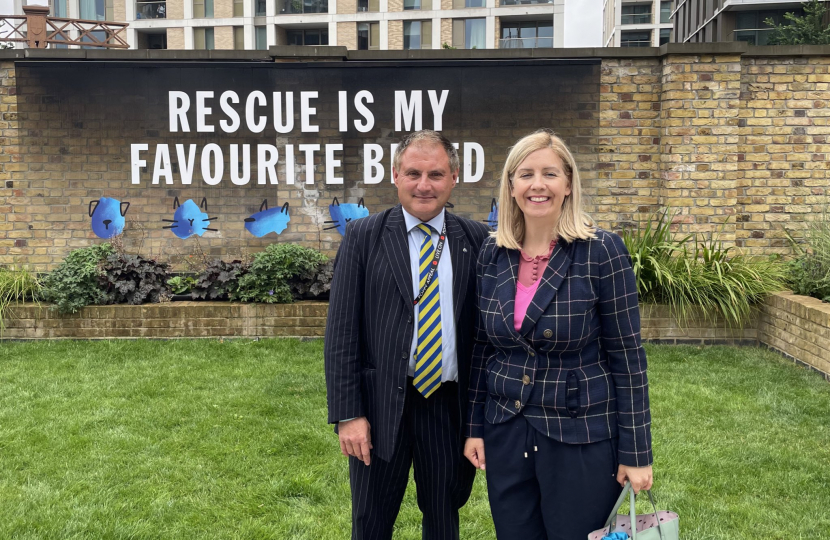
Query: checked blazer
<point x="371" y="320"/>
<point x="576" y="369"/>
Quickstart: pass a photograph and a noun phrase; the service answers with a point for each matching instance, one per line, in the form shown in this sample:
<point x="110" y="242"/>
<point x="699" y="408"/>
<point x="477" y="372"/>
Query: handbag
<point x="662" y="525"/>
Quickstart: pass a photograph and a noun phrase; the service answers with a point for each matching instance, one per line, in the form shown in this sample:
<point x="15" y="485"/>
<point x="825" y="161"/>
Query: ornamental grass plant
<point x="698" y="277"/>
<point x="16" y="285"/>
<point x="809" y="272"/>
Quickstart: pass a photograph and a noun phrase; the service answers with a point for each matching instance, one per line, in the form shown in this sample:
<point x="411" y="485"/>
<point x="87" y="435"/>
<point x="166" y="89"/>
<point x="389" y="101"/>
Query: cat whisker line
<point x="330" y="228"/>
<point x="170" y="227"/>
<point x="170" y="220"/>
<point x="209" y="219"/>
<point x="207" y="229"/>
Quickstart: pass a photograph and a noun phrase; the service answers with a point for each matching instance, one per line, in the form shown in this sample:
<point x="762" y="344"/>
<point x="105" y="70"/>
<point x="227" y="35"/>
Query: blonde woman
<point x="558" y="393"/>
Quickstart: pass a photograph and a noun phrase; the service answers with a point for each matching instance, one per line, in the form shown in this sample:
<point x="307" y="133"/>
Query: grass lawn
<point x="208" y="439"/>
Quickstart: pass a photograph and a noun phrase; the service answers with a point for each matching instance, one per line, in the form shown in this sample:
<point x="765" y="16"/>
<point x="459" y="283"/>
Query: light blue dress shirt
<point x="415" y="237"/>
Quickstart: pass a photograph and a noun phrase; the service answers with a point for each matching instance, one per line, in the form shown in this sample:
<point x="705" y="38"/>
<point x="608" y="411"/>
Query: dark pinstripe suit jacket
<point x="576" y="369"/>
<point x="371" y="317"/>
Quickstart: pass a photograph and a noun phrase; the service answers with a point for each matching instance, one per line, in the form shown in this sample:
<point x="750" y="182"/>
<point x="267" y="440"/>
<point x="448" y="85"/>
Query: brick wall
<point x="395" y="35"/>
<point x="396" y="5"/>
<point x="799" y="327"/>
<point x="119" y="10"/>
<point x="222" y="9"/>
<point x="175" y="10"/>
<point x="347" y="34"/>
<point x="446" y="32"/>
<point x="223" y="37"/>
<point x="345" y="7"/>
<point x="175" y="38"/>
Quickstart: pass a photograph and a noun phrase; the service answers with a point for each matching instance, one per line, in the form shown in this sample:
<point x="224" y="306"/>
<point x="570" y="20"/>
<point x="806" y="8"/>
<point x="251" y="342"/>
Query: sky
<point x="583" y="27"/>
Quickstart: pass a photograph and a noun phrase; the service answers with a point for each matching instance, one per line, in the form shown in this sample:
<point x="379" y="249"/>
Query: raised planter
<point x="796" y="326"/>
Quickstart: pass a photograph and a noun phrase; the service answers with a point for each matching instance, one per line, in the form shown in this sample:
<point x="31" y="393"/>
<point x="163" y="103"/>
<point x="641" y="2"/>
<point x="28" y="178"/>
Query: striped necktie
<point x="428" y="353"/>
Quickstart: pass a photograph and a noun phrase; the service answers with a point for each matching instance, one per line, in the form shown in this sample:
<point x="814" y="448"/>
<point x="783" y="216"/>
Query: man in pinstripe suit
<point x="398" y="346"/>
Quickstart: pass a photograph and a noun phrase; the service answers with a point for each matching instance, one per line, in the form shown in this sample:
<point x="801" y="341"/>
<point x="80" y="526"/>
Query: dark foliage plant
<point x="283" y="273"/>
<point x="132" y="279"/>
<point x="76" y="282"/>
<point x="219" y="280"/>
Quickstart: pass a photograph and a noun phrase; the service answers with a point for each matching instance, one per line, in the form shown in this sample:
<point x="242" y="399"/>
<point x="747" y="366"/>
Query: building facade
<point x="706" y="21"/>
<point x="355" y="24"/>
<point x="637" y="23"/>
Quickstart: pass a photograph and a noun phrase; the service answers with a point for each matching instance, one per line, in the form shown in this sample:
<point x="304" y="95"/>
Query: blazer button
<point x="400" y="389"/>
<point x="526" y="380"/>
<point x="531" y="353"/>
<point x="518" y="404"/>
<point x="548" y="333"/>
<point x="405" y="355"/>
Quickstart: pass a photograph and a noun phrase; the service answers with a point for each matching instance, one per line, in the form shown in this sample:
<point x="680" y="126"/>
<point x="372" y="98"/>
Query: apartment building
<point x="637" y="23"/>
<point x="705" y="21"/>
<point x="355" y="24"/>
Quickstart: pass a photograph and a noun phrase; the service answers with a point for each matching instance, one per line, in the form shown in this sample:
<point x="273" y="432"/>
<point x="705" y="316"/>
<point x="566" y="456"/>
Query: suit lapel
<point x="508" y="274"/>
<point x="396" y="246"/>
<point x="555" y="272"/>
<point x="461" y="255"/>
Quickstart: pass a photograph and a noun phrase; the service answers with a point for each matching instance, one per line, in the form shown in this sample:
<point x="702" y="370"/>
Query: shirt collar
<point x="436" y="223"/>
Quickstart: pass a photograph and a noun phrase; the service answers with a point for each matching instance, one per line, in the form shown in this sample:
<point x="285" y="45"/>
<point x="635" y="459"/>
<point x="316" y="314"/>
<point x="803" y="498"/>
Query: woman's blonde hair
<point x="573" y="221"/>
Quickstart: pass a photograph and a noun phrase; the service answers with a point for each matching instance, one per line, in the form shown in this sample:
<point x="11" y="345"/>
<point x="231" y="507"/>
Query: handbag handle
<point x="612" y="518"/>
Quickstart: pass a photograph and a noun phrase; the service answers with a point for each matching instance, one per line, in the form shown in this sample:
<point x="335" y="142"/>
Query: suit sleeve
<point x="482" y="350"/>
<point x="343" y="331"/>
<point x="620" y="334"/>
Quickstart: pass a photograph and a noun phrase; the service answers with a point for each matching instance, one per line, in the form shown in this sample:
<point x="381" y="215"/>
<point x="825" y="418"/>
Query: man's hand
<point x="474" y="451"/>
<point x="355" y="438"/>
<point x="640" y="477"/>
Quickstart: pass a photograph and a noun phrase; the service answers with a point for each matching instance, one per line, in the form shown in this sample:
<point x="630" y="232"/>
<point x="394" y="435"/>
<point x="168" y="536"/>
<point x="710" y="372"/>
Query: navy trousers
<point x="542" y="489"/>
<point x="430" y="440"/>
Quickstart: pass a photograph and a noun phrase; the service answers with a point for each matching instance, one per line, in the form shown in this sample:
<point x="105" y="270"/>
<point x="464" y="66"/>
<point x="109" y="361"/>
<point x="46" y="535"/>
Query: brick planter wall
<point x="796" y="326"/>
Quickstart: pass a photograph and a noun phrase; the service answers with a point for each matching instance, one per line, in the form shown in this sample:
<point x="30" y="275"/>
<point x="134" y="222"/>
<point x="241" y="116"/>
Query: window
<point x="316" y="36"/>
<point x="461" y="4"/>
<point x="411" y="4"/>
<point x="417" y="34"/>
<point x="307" y="6"/>
<point x="524" y="2"/>
<point x="665" y="12"/>
<point x="96" y="10"/>
<point x="751" y="28"/>
<point x="260" y="8"/>
<point x="368" y="5"/>
<point x="468" y="34"/>
<point x="636" y="14"/>
<point x="526" y="35"/>
<point x="203" y="39"/>
<point x="238" y="8"/>
<point x="151" y="9"/>
<point x="665" y="35"/>
<point x="635" y="39"/>
<point x="239" y="38"/>
<point x="59" y="8"/>
<point x="261" y="34"/>
<point x="202" y="9"/>
<point x="368" y="36"/>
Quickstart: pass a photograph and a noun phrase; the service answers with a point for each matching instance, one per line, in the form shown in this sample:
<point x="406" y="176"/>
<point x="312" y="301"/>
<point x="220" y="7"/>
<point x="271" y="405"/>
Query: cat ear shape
<point x="284" y="209"/>
<point x="335" y="202"/>
<point x="124" y="208"/>
<point x="176" y="203"/>
<point x="361" y="203"/>
<point x="203" y="204"/>
<point x="264" y="205"/>
<point x="493" y="204"/>
<point x="92" y="206"/>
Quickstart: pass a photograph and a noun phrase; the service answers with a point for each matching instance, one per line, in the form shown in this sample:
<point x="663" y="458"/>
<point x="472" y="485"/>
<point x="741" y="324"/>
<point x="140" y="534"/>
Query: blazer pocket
<point x="572" y="394"/>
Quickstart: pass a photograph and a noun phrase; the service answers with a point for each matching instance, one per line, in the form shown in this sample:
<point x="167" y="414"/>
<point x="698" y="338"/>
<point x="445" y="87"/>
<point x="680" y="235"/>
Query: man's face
<point x="424" y="180"/>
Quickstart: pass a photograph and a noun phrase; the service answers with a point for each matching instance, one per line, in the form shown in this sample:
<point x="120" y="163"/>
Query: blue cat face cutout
<point x="341" y="214"/>
<point x="493" y="217"/>
<point x="189" y="219"/>
<point x="107" y="216"/>
<point x="268" y="220"/>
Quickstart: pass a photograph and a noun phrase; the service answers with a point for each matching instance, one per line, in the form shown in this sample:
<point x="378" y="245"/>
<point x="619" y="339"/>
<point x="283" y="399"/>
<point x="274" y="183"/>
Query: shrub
<point x="710" y="279"/>
<point x="132" y="279"/>
<point x="278" y="274"/>
<point x="809" y="273"/>
<point x="219" y="280"/>
<point x="16" y="285"/>
<point x="75" y="283"/>
<point x="181" y="284"/>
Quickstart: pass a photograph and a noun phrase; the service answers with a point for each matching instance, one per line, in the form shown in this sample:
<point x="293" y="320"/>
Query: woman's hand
<point x="474" y="451"/>
<point x="640" y="477"/>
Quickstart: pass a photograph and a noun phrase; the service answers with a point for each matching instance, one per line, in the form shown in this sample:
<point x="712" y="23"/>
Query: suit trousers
<point x="542" y="489"/>
<point x="429" y="439"/>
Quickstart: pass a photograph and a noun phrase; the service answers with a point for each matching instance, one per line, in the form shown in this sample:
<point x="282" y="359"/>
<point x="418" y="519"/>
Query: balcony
<point x="293" y="7"/>
<point x="153" y="9"/>
<point x="523" y="2"/>
<point x="526" y="43"/>
<point x="639" y="18"/>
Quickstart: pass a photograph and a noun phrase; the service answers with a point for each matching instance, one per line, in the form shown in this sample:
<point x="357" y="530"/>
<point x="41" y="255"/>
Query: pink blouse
<point x="530" y="270"/>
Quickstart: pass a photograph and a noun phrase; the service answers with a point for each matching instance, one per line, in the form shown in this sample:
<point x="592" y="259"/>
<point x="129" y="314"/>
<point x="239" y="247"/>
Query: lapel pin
<point x="464" y="250"/>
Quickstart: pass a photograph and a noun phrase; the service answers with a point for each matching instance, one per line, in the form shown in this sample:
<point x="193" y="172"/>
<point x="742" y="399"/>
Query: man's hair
<point x="573" y="224"/>
<point x="426" y="136"/>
